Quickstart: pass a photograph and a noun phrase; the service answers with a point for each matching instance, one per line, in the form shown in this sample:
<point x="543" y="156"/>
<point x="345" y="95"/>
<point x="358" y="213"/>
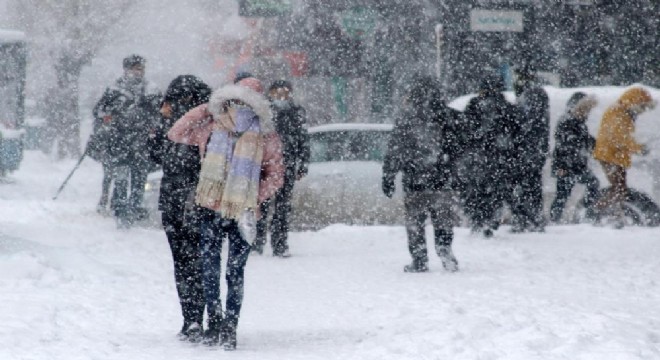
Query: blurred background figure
<point x="532" y="148"/>
<point x="127" y="108"/>
<point x="291" y="125"/>
<point x="573" y="147"/>
<point x="423" y="146"/>
<point x="615" y="145"/>
<point x="492" y="127"/>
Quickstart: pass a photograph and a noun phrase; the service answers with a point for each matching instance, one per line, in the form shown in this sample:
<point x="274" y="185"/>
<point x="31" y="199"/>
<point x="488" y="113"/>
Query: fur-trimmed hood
<point x="256" y="101"/>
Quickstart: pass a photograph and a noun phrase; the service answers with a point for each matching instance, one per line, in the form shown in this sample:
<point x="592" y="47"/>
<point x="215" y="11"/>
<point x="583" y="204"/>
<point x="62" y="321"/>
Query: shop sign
<point x="496" y="20"/>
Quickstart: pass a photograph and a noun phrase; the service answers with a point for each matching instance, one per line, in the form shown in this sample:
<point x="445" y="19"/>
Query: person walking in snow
<point x="127" y="110"/>
<point x="493" y="128"/>
<point x="423" y="146"/>
<point x="291" y="125"/>
<point x="532" y="147"/>
<point x="570" y="158"/>
<point x="615" y="145"/>
<point x="180" y="165"/>
<point x="241" y="167"/>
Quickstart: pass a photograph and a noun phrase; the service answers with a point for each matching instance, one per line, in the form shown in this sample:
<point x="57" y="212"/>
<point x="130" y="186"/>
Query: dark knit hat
<point x="242" y="75"/>
<point x="187" y="86"/>
<point x="526" y="71"/>
<point x="424" y="88"/>
<point x="278" y="84"/>
<point x="133" y="60"/>
<point x="492" y="83"/>
<point x="575" y="98"/>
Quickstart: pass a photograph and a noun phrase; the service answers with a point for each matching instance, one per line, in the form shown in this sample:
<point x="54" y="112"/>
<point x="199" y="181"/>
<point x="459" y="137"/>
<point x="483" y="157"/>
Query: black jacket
<point x="424" y="145"/>
<point x="492" y="125"/>
<point x="132" y="112"/>
<point x="573" y="146"/>
<point x="180" y="163"/>
<point x="534" y="136"/>
<point x="491" y="135"/>
<point x="291" y="126"/>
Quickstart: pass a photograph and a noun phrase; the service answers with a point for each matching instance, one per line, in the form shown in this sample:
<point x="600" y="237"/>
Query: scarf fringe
<point x="210" y="195"/>
<point x="221" y="186"/>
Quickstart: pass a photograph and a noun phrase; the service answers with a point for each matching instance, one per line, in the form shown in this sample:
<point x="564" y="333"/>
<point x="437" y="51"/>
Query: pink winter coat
<point x="194" y="128"/>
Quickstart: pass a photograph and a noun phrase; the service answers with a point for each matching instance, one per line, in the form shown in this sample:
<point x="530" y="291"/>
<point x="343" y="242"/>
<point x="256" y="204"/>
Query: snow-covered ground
<point x="72" y="286"/>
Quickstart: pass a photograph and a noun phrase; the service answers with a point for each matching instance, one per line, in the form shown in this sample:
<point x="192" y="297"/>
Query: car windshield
<point x="348" y="145"/>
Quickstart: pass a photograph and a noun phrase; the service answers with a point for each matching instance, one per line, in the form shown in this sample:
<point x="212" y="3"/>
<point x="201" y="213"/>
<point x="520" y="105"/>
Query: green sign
<point x="358" y="21"/>
<point x="264" y="8"/>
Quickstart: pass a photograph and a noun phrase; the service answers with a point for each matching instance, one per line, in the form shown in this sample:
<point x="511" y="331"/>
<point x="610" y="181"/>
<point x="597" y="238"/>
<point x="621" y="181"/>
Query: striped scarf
<point x="229" y="177"/>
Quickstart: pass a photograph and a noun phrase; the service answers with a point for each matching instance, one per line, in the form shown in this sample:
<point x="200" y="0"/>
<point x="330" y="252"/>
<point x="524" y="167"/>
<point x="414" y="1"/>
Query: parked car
<point x="344" y="180"/>
<point x="343" y="184"/>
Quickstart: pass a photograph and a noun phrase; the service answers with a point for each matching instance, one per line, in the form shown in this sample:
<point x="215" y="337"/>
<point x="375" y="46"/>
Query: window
<point x="360" y="145"/>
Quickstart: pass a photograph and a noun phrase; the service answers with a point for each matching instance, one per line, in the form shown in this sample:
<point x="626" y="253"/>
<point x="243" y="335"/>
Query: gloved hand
<point x="302" y="172"/>
<point x="645" y="150"/>
<point x="388" y="186"/>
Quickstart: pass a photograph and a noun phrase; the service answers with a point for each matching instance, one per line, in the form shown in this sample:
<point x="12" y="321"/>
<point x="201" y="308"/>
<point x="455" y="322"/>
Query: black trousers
<point x="213" y="229"/>
<point x="184" y="243"/>
<point x="528" y="200"/>
<point x="565" y="185"/>
<point x="486" y="191"/>
<point x="280" y="204"/>
<point x="105" y="184"/>
<point x="420" y="205"/>
<point x="128" y="192"/>
<point x="481" y="203"/>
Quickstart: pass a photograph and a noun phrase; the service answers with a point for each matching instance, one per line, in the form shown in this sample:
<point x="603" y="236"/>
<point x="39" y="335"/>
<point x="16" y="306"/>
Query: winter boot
<point x="140" y="213"/>
<point x="417" y="266"/>
<point x="123" y="223"/>
<point x="443" y="241"/>
<point x="592" y="214"/>
<point x="228" y="335"/>
<point x="449" y="261"/>
<point x="193" y="332"/>
<point x="212" y="334"/>
<point x="102" y="207"/>
<point x="282" y="254"/>
<point x="183" y="333"/>
<point x="258" y="249"/>
<point x="619" y="216"/>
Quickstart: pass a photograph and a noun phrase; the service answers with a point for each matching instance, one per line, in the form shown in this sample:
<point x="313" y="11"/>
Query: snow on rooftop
<point x="11" y="35"/>
<point x="350" y="126"/>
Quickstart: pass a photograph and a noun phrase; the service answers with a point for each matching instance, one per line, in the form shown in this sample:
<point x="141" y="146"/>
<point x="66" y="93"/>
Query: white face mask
<point x="281" y="104"/>
<point x="134" y="75"/>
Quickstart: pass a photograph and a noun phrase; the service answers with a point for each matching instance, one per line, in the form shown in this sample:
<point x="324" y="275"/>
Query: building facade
<point x="359" y="55"/>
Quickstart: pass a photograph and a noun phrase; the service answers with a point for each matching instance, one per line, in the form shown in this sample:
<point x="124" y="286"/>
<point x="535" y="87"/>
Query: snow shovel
<point x="69" y="177"/>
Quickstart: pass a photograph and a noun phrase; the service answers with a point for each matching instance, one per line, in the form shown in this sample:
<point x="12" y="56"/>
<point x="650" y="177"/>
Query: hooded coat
<point x="180" y="162"/>
<point x="132" y="106"/>
<point x="573" y="143"/>
<point x="196" y="126"/>
<point x="615" y="142"/>
<point x="534" y="134"/>
<point x="424" y="142"/>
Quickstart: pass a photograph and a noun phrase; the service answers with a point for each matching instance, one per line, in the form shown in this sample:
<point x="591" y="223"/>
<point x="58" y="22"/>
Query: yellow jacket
<point x="615" y="143"/>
